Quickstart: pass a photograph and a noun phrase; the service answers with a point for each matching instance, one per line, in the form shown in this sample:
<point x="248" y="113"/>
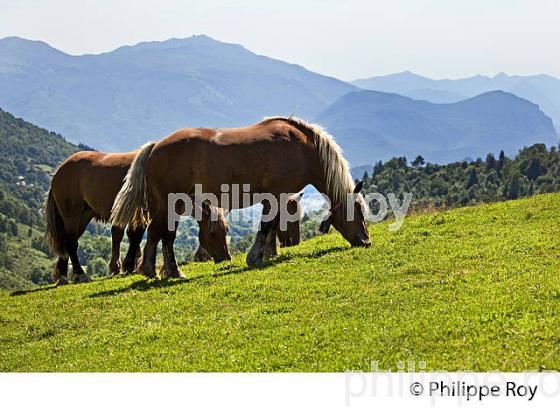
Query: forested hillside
<point x="535" y="170"/>
<point x="28" y="154"/>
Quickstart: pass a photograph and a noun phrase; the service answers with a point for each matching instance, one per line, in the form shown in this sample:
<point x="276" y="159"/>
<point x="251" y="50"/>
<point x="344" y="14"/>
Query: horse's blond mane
<point x="335" y="167"/>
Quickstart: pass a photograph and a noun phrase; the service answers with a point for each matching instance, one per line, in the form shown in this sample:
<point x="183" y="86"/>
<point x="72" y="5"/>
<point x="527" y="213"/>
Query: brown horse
<point x="275" y="156"/>
<point x="83" y="188"/>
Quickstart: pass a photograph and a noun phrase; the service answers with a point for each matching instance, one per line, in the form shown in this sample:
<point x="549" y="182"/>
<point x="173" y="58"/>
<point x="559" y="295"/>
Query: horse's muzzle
<point x="362" y="244"/>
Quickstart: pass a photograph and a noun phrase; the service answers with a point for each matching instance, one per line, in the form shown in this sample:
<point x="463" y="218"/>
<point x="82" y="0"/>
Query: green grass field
<point x="470" y="289"/>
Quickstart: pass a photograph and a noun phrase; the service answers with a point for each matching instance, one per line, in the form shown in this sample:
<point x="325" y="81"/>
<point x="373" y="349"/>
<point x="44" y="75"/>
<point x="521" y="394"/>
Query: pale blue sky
<point x="347" y="39"/>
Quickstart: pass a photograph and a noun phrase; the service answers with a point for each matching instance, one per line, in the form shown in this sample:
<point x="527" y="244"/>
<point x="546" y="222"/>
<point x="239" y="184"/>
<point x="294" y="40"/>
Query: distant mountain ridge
<point x="541" y="89"/>
<point x="120" y="99"/>
<point x="117" y="100"/>
<point x="372" y="125"/>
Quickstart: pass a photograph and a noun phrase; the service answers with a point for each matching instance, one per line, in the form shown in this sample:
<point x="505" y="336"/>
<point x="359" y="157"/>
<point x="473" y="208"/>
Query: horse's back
<point x="271" y="130"/>
<point x="90" y="177"/>
<point x="271" y="156"/>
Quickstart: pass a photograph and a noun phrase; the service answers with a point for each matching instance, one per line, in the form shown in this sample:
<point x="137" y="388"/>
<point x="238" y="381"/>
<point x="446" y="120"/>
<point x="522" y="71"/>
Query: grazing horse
<point x="83" y="188"/>
<point x="275" y="156"/>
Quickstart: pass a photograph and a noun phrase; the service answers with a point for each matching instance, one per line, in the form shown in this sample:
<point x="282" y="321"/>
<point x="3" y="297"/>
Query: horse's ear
<point x="325" y="226"/>
<point x="359" y="187"/>
<point x="205" y="208"/>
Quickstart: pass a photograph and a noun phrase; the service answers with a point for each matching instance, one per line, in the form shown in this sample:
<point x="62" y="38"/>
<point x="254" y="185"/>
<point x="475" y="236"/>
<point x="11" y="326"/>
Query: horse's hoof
<point x="127" y="270"/>
<point x="255" y="255"/>
<point x="254" y="259"/>
<point x="176" y="274"/>
<point x="81" y="278"/>
<point x="171" y="273"/>
<point x="269" y="253"/>
<point x="148" y="274"/>
<point x="62" y="280"/>
<point x="115" y="269"/>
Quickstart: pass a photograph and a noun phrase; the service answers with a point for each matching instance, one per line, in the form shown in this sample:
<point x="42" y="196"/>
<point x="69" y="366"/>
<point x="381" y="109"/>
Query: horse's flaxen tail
<point x="55" y="227"/>
<point x="131" y="205"/>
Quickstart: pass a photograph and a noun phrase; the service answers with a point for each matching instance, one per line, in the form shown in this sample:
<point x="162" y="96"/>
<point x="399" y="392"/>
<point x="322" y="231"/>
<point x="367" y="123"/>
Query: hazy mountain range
<point x="542" y="89"/>
<point x="372" y="124"/>
<point x="120" y="99"/>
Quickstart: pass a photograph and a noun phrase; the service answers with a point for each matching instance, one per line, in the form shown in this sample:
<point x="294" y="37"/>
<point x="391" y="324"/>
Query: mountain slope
<point x="543" y="90"/>
<point x="372" y="125"/>
<point x="441" y="290"/>
<point x="120" y="99"/>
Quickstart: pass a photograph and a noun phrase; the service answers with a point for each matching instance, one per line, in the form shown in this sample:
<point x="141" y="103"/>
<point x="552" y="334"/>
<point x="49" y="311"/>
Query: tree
<point x="97" y="267"/>
<point x="418" y="161"/>
<point x="472" y="178"/>
<point x="490" y="162"/>
<point x="501" y="161"/>
<point x="14" y="229"/>
<point x="533" y="170"/>
<point x="3" y="243"/>
<point x="513" y="189"/>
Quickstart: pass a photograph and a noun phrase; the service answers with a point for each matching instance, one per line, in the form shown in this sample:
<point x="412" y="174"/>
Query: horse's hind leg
<point x="261" y="247"/>
<point x="147" y="265"/>
<point x="270" y="248"/>
<point x="60" y="273"/>
<point x="170" y="268"/>
<point x="76" y="227"/>
<point x="116" y="239"/>
<point x="265" y="240"/>
<point x="133" y="254"/>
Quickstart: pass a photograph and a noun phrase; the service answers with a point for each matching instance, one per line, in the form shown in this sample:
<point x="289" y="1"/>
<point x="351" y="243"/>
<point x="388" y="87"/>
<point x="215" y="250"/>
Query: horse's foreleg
<point x="78" y="274"/>
<point x="116" y="238"/>
<point x="147" y="264"/>
<point x="133" y="254"/>
<point x="170" y="268"/>
<point x="282" y="237"/>
<point x="60" y="273"/>
<point x="263" y="244"/>
<point x="270" y="249"/>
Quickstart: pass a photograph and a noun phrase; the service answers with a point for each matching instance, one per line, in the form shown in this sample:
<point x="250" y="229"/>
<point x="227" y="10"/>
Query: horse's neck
<point x="320" y="183"/>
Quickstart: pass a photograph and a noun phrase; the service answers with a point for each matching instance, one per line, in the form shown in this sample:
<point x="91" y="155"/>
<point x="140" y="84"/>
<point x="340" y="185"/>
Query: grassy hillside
<point x="474" y="288"/>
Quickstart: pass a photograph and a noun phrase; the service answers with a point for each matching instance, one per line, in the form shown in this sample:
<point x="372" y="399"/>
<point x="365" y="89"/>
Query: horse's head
<point x="353" y="229"/>
<point x="212" y="234"/>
